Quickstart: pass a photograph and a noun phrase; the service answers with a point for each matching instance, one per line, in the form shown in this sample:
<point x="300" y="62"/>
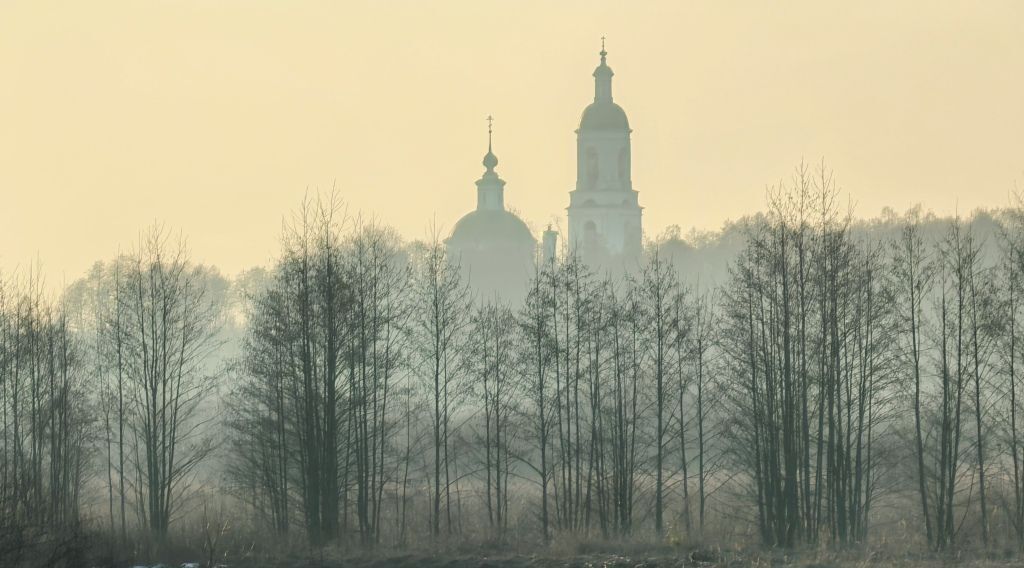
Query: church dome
<point x="491" y="229"/>
<point x="604" y="115"/>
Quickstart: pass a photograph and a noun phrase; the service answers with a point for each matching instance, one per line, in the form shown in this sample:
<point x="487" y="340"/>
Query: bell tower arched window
<point x="592" y="168"/>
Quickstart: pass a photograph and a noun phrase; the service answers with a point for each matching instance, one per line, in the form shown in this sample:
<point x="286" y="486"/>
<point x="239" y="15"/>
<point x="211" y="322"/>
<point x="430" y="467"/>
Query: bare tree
<point x="912" y="274"/>
<point x="493" y="351"/>
<point x="659" y="287"/>
<point x="379" y="277"/>
<point x="701" y="341"/>
<point x="1011" y="269"/>
<point x="805" y="479"/>
<point x="438" y="320"/>
<point x="46" y="424"/>
<point x="167" y="334"/>
<point x="291" y="411"/>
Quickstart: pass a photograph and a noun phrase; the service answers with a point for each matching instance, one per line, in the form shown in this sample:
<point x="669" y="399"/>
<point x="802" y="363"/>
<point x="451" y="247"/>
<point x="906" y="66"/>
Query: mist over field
<point x="276" y="289"/>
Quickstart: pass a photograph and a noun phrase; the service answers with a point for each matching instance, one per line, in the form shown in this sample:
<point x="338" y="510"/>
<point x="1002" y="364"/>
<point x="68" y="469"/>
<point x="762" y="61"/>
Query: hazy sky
<point x="215" y="117"/>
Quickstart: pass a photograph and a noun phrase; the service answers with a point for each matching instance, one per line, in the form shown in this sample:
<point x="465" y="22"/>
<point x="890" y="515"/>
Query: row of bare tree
<point x="838" y="378"/>
<point x="44" y="449"/>
<point x="103" y="388"/>
<point x="376" y="398"/>
<point x="857" y="363"/>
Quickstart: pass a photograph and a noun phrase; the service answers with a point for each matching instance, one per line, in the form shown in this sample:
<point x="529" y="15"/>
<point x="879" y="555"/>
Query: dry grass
<point x="245" y="547"/>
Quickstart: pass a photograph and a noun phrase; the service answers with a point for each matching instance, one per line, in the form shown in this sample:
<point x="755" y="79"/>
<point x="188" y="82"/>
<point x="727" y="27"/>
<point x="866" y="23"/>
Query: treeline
<point x="377" y="400"/>
<point x="861" y="364"/>
<point x="837" y="383"/>
<point x="103" y="388"/>
<point x="46" y="426"/>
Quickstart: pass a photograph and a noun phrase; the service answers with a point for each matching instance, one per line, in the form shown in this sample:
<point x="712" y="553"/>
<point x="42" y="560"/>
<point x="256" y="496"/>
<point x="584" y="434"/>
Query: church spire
<point x="603" y="78"/>
<point x="490" y="189"/>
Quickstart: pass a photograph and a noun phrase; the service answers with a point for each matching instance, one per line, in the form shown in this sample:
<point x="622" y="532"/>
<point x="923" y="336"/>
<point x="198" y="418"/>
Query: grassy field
<point x="598" y="555"/>
<point x="603" y="560"/>
<point x="96" y="550"/>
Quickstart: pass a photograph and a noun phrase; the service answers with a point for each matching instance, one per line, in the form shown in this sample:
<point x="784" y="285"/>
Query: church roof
<point x="491" y="228"/>
<point x="604" y="115"/>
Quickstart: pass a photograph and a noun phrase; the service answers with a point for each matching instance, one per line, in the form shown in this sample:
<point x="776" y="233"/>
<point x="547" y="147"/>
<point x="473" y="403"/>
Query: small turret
<point x="550" y="244"/>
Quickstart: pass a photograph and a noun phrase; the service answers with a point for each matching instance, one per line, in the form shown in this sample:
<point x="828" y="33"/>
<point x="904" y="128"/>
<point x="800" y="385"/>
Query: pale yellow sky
<point x="215" y="116"/>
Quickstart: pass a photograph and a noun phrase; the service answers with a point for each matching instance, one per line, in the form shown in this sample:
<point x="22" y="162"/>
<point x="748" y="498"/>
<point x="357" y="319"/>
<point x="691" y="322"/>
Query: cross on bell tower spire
<point x="603" y="77"/>
<point x="490" y="123"/>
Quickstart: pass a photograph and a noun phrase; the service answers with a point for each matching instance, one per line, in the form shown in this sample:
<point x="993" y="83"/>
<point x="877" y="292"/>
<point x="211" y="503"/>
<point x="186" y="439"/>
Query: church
<point x="495" y="248"/>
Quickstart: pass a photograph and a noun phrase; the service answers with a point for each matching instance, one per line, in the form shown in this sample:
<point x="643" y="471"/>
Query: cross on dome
<point x="490" y="160"/>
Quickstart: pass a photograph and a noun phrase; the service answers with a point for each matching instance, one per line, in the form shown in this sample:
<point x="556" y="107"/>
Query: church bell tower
<point x="604" y="212"/>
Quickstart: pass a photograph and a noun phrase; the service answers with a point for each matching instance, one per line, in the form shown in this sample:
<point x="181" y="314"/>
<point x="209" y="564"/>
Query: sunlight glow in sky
<point x="215" y="118"/>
